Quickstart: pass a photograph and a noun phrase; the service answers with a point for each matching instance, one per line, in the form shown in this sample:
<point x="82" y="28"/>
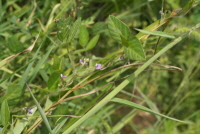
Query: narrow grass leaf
<point x="158" y="33"/>
<point x="41" y="112"/>
<point x="59" y="126"/>
<point x="115" y="24"/>
<point x="137" y="106"/>
<point x="5" y="113"/>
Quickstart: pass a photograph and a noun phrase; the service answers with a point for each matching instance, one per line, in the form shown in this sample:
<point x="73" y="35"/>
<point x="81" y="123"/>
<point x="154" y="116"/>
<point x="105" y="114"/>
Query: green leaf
<point x="53" y="81"/>
<point x="57" y="63"/>
<point x="114" y="25"/>
<point x="83" y="35"/>
<point x="137" y="106"/>
<point x="80" y="51"/>
<point x="99" y="27"/>
<point x="5" y="113"/>
<point x="64" y="26"/>
<point x="74" y="30"/>
<point x="124" y="41"/>
<point x="92" y="42"/>
<point x="158" y="33"/>
<point x="14" y="91"/>
<point x="134" y="51"/>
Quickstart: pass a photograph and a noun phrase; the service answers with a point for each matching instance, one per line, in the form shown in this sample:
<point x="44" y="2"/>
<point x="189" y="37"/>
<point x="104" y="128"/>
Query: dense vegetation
<point x="99" y="66"/>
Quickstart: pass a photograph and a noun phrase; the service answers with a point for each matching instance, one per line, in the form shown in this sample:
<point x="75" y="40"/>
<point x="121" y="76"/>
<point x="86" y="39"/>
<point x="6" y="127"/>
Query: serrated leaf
<point x="114" y="25"/>
<point x="92" y="42"/>
<point x="83" y="35"/>
<point x="53" y="81"/>
<point x="135" y="51"/>
<point x="158" y="33"/>
<point x="137" y="106"/>
<point x="5" y="113"/>
<point x="74" y="30"/>
<point x="14" y="91"/>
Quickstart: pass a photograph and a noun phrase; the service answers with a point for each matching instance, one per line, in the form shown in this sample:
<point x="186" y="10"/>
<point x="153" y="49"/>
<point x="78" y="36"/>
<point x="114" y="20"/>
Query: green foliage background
<point x="169" y="92"/>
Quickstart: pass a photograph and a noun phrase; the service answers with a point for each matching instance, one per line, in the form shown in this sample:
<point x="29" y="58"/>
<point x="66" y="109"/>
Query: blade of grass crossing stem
<point x="107" y="98"/>
<point x="41" y="112"/>
<point x="137" y="106"/>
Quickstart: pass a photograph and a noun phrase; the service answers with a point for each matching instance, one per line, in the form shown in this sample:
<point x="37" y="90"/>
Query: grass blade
<point x="41" y="112"/>
<point x="158" y="33"/>
<point x="137" y="106"/>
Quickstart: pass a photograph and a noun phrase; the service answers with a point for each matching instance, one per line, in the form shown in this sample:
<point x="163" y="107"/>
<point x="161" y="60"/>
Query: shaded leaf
<point x="5" y="113"/>
<point x="124" y="41"/>
<point x="53" y="81"/>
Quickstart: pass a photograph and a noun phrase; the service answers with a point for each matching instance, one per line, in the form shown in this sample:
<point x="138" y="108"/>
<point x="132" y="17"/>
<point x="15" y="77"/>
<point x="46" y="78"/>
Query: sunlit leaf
<point x="134" y="51"/>
<point x="83" y="35"/>
<point x="92" y="42"/>
<point x="158" y="33"/>
<point x="114" y="25"/>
